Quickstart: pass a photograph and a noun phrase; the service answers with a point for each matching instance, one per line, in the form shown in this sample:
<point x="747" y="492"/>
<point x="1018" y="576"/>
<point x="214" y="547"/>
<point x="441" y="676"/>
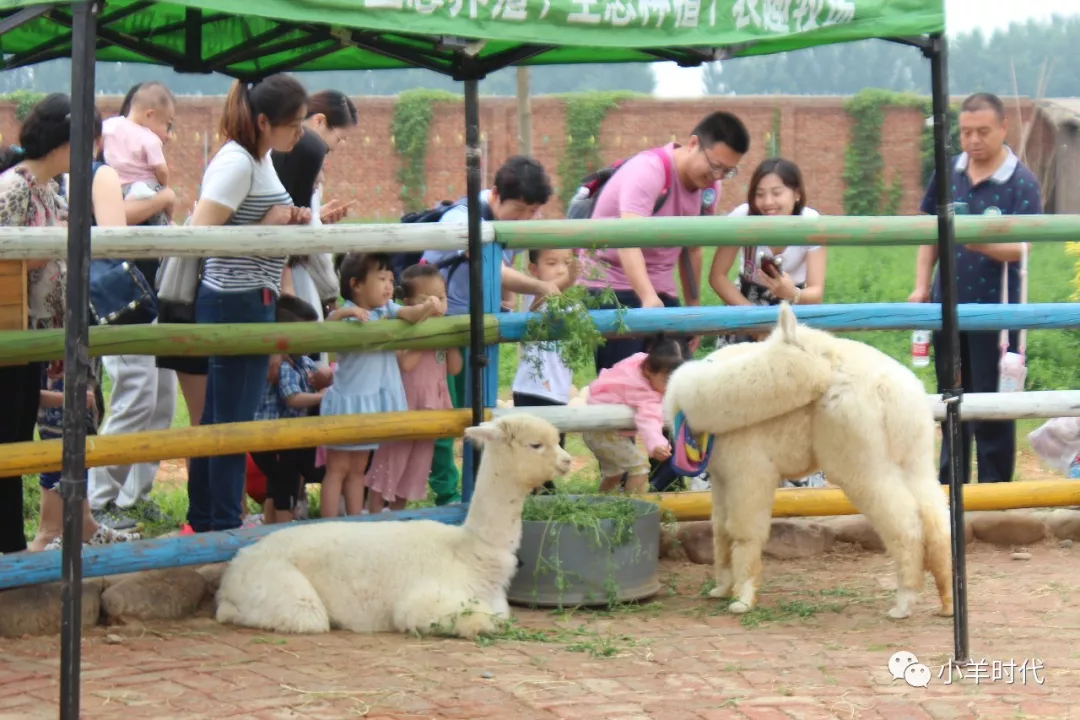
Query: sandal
<point x="104" y="535"/>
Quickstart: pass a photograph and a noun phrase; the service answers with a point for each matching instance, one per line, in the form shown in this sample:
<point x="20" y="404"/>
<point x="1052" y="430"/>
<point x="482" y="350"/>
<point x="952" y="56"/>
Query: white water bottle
<point x="920" y="348"/>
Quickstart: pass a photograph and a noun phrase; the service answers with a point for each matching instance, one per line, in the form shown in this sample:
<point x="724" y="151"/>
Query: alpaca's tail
<point x="936" y="532"/>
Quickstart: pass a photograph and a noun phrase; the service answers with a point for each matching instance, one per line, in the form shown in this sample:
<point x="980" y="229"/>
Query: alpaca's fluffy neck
<point x="494" y="516"/>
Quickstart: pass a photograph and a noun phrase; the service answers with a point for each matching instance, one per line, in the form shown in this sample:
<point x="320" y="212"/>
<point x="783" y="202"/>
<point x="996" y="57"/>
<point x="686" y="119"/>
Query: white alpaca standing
<point x="803" y="401"/>
<point x="407" y="576"/>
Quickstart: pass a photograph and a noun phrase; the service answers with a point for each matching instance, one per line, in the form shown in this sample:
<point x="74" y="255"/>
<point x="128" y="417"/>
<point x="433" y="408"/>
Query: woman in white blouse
<point x="776" y="189"/>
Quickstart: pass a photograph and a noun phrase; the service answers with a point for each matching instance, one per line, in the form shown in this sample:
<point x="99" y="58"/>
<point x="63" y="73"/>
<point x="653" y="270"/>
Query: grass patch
<point x="582" y="639"/>
<point x="787" y="610"/>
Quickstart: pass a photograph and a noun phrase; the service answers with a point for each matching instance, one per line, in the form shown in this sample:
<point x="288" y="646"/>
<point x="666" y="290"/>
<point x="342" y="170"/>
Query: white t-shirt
<point x="249" y="188"/>
<point x="554" y="379"/>
<point x="794" y="256"/>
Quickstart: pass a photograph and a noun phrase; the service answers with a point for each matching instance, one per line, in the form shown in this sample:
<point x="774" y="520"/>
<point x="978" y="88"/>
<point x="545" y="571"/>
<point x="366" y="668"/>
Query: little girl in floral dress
<point x="400" y="469"/>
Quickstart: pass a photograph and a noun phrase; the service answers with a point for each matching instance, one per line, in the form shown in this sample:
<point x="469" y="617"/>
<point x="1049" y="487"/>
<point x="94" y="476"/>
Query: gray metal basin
<point x="560" y="565"/>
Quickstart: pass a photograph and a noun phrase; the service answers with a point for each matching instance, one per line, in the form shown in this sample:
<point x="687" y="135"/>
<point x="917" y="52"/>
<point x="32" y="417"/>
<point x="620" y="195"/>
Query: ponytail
<point x="238" y="120"/>
<point x="125" y="105"/>
<point x="280" y="98"/>
<point x="664" y="354"/>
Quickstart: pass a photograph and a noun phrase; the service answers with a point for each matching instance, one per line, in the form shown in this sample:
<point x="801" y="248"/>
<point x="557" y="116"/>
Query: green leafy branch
<point x="409" y="134"/>
<point x="563" y="324"/>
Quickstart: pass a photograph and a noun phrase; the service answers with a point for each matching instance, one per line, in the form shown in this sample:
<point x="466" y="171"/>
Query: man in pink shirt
<point x="692" y="174"/>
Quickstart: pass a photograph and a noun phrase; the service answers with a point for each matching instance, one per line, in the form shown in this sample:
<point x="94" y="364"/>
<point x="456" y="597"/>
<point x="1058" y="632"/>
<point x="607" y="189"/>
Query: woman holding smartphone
<point x="769" y="275"/>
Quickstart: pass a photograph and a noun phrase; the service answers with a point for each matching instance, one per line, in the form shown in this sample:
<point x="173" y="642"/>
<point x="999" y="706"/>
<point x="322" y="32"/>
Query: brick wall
<point x="813" y="132"/>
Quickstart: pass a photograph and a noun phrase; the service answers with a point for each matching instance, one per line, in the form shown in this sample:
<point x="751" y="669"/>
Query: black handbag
<point x="120" y="295"/>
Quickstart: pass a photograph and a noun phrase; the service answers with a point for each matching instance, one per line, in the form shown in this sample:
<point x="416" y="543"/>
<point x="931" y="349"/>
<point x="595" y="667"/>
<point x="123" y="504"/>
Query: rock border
<point x="792" y="538"/>
<point x="185" y="592"/>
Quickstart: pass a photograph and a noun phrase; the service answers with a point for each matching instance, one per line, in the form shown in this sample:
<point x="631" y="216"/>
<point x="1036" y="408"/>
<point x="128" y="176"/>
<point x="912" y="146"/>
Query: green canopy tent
<point x="465" y="39"/>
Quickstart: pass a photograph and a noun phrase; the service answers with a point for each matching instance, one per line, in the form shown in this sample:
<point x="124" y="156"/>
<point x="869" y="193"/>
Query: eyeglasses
<point x="719" y="171"/>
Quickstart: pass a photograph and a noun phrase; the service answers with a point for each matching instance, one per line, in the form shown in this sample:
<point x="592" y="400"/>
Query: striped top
<point x="249" y="188"/>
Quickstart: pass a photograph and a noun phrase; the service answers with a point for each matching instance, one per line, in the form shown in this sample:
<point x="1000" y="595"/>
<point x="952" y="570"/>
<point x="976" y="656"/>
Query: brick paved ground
<point x="818" y="648"/>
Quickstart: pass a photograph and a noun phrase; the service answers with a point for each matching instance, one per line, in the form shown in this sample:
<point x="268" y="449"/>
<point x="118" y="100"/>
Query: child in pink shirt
<point x="134" y="145"/>
<point x="638" y="381"/>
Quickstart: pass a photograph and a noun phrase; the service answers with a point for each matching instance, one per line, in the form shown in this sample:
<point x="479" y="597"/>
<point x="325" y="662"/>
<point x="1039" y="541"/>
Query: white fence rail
<point x="974" y="406"/>
<point x="17" y="243"/>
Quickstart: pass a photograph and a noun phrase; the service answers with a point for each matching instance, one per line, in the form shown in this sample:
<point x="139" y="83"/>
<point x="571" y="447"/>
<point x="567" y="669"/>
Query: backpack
<point x="400" y="261"/>
<point x="584" y="201"/>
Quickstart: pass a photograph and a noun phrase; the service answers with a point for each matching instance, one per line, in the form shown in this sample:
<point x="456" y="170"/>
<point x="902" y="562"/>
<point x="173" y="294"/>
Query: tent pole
<point x="477" y="356"/>
<point x="76" y="353"/>
<point x="950" y="333"/>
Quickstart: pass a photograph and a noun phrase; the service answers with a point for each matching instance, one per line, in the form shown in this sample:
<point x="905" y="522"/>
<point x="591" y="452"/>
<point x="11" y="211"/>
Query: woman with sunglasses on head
<point x="771" y="274"/>
<point x="331" y="118"/>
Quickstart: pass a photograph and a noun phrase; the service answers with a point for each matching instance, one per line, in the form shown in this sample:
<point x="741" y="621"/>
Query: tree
<point x="976" y="63"/>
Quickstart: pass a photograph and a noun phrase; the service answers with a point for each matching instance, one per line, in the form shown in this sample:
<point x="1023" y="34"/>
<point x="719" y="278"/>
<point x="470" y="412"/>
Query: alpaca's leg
<point x="748" y="504"/>
<point x="876" y="488"/>
<point x="263" y="591"/>
<point x="428" y="609"/>
<point x="501" y="606"/>
<point x="721" y="540"/>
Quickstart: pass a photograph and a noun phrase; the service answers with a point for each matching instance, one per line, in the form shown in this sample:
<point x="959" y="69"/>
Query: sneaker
<point x="104" y="535"/>
<point x="147" y="511"/>
<point x="817" y="480"/>
<point x="701" y="482"/>
<point x="187" y="530"/>
<point x="252" y="521"/>
<point x="301" y="510"/>
<point x="113" y="517"/>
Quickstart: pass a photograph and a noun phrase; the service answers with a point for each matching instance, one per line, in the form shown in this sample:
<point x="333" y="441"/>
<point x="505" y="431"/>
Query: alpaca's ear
<point x="787" y="323"/>
<point x="483" y="433"/>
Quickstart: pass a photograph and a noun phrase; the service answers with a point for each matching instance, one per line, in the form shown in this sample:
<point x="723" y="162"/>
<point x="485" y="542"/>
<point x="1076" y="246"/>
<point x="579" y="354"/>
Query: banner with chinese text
<point x="579" y="30"/>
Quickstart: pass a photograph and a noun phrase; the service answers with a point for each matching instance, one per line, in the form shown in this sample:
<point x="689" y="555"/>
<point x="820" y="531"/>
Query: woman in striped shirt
<point x="240" y="187"/>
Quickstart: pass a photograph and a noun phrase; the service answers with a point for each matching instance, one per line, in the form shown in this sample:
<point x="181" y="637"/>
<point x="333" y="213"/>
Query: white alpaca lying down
<point x="407" y="576"/>
<point x="802" y="401"/>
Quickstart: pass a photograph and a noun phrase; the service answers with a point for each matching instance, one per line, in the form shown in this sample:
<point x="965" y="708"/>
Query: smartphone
<point x="771" y="265"/>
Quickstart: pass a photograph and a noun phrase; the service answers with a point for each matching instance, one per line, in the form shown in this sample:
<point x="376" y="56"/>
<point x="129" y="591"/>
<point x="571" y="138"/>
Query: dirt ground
<point x="818" y="647"/>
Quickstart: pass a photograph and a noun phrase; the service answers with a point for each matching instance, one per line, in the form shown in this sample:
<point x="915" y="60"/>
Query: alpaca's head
<point x="523" y="447"/>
